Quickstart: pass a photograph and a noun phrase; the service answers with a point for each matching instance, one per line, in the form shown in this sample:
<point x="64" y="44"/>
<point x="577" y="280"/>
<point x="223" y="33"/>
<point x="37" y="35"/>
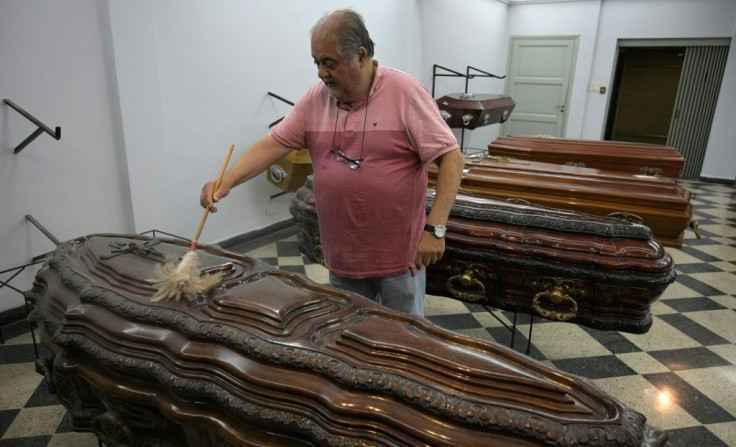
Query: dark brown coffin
<point x="471" y="110"/>
<point x="562" y="265"/>
<point x="656" y="202"/>
<point x="268" y="358"/>
<point x="633" y="158"/>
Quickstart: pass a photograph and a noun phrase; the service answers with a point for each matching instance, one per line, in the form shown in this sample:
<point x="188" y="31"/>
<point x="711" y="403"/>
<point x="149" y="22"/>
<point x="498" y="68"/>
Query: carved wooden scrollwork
<point x="467" y="281"/>
<point x="557" y="291"/>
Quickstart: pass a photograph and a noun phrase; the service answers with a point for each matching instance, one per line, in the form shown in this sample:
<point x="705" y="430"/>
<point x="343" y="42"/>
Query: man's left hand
<point x="430" y="250"/>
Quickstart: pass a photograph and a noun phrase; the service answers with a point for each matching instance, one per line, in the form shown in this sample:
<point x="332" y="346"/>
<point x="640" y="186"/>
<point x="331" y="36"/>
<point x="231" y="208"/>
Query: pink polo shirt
<point x="371" y="218"/>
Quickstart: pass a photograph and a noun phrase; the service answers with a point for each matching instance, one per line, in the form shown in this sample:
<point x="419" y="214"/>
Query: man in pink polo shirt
<point x="371" y="132"/>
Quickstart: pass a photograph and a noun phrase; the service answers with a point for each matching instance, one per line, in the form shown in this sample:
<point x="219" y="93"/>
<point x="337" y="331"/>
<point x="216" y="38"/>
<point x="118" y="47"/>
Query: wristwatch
<point x="437" y="231"/>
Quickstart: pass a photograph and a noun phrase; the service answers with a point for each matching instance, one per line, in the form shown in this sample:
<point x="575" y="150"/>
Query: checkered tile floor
<point x="680" y="374"/>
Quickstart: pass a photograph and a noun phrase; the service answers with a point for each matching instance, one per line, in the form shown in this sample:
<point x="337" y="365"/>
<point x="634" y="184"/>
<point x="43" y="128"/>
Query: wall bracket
<point x="281" y="99"/>
<point x="41" y="127"/>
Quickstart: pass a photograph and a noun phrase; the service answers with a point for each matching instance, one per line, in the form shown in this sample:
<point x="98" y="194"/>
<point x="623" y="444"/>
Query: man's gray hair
<point x="349" y="31"/>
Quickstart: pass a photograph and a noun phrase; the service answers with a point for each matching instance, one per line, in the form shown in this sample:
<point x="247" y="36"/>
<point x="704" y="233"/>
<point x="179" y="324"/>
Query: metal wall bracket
<point x="281" y="99"/>
<point x="41" y="127"/>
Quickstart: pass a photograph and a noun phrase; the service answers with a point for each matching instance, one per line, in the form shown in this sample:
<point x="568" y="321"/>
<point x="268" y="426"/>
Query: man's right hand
<point x="208" y="197"/>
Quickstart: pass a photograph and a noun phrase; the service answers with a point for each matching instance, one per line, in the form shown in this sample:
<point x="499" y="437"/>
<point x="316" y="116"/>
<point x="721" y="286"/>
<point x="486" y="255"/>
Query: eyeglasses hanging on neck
<point x="338" y="154"/>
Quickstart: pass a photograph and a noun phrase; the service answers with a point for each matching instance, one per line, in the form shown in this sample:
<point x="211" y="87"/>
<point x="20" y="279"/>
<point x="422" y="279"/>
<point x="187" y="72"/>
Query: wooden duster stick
<point x="185" y="279"/>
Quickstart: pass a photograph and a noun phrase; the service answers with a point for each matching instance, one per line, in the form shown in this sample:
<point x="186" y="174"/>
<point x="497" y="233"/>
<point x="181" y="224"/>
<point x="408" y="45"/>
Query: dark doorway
<point x="644" y="92"/>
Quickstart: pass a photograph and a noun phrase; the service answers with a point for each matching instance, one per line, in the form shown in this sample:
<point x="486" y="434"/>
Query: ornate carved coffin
<point x="269" y="358"/>
<point x="633" y="158"/>
<point x="656" y="202"/>
<point x="471" y="110"/>
<point x="562" y="265"/>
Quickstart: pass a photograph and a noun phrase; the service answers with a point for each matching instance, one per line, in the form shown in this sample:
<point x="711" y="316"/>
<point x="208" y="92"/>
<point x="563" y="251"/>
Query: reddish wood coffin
<point x="471" y="110"/>
<point x="561" y="265"/>
<point x="656" y="202"/>
<point x="268" y="358"/>
<point x="633" y="158"/>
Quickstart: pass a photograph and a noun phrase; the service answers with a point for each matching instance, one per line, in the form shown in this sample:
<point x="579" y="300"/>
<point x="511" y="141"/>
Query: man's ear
<point x="362" y="54"/>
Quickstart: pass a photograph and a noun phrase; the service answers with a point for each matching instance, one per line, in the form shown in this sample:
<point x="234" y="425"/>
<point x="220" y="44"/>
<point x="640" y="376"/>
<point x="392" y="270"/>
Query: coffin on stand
<point x="561" y="265"/>
<point x="656" y="202"/>
<point x="633" y="158"/>
<point x="291" y="172"/>
<point x="269" y="358"/>
<point x="471" y="110"/>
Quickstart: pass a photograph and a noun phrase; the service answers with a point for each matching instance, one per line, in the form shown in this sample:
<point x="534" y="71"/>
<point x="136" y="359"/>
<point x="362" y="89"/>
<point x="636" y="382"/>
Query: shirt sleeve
<point x="291" y="131"/>
<point x="428" y="132"/>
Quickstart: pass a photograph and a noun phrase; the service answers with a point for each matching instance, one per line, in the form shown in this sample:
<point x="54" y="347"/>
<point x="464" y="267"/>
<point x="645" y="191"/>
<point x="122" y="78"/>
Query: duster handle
<point x="207" y="210"/>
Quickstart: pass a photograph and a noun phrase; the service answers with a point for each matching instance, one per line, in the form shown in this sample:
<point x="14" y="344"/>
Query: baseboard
<point x="12" y="315"/>
<point x="723" y="181"/>
<point x="253" y="236"/>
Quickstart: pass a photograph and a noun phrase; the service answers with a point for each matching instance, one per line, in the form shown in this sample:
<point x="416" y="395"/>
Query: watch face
<point x="440" y="231"/>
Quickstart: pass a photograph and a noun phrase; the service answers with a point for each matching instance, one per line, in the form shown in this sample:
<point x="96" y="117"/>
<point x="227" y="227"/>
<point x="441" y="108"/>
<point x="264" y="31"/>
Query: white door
<point x="539" y="76"/>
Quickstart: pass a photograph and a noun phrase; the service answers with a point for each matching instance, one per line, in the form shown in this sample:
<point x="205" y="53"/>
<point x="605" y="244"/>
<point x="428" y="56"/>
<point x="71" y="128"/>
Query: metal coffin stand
<point x="270" y="358"/>
<point x="561" y="265"/>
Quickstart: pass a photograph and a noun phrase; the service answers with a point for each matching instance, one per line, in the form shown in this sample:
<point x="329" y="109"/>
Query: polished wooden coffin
<point x="269" y="358"/>
<point x="291" y="172"/>
<point x="561" y="265"/>
<point x="656" y="202"/>
<point x="471" y="110"/>
<point x="633" y="158"/>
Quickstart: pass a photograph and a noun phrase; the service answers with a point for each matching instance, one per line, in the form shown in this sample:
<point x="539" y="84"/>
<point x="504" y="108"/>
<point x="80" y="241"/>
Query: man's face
<point x="341" y="76"/>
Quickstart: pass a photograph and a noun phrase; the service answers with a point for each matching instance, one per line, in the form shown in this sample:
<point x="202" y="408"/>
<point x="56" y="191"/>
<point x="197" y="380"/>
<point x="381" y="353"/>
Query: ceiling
<point x="523" y="2"/>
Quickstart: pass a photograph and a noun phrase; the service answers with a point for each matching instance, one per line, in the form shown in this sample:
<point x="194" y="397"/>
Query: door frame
<point x="575" y="39"/>
<point x="653" y="42"/>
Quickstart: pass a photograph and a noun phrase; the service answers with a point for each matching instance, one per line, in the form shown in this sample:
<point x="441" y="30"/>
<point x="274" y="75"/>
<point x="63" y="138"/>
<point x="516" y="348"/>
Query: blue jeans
<point x="404" y="292"/>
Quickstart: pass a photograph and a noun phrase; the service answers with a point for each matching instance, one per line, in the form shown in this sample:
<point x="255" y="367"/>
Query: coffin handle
<point x="558" y="291"/>
<point x="467" y="284"/>
<point x="44" y="367"/>
<point x="556" y="296"/>
<point x="650" y="172"/>
<point x="628" y="217"/>
<point x="694" y="225"/>
<point x="467" y="118"/>
<point x="277" y="173"/>
<point x="472" y="289"/>
<point x="111" y="428"/>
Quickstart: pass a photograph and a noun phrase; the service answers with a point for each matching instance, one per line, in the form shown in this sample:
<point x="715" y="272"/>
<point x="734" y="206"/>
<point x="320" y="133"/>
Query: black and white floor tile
<point x="681" y="374"/>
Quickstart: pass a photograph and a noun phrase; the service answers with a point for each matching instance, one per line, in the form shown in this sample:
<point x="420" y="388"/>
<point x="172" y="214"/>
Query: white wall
<point x="569" y="19"/>
<point x="149" y="95"/>
<point x="720" y="155"/>
<point x="601" y="23"/>
<point x="459" y="34"/>
<point x="53" y="66"/>
<point x="194" y="79"/>
<point x="655" y="19"/>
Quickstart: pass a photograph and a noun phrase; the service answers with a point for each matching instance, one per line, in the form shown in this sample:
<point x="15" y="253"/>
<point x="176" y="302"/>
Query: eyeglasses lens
<point x="342" y="158"/>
